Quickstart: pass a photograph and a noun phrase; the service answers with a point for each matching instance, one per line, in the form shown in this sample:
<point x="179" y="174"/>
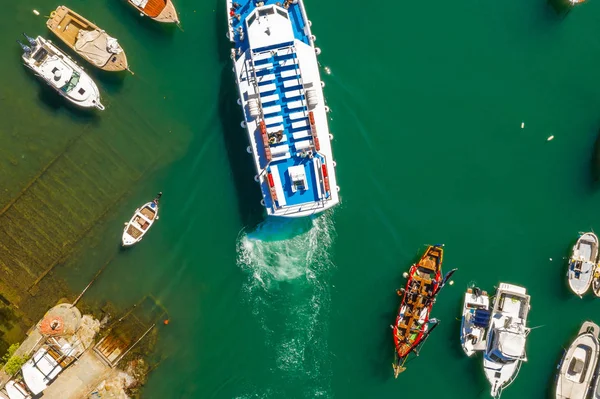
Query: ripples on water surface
<point x="289" y="265"/>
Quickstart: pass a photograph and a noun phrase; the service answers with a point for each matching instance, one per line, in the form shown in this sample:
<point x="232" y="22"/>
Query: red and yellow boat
<point x="413" y="323"/>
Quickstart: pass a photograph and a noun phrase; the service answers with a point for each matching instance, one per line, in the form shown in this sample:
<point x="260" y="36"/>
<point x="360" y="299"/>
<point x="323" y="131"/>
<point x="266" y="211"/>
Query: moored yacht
<point x="506" y="337"/>
<point x="475" y="320"/>
<point x="578" y="364"/>
<point x="582" y="263"/>
<point x="60" y="72"/>
<point x="280" y="89"/>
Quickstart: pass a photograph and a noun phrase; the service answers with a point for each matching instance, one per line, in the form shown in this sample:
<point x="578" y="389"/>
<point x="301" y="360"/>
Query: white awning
<point x="511" y="345"/>
<point x="39" y="371"/>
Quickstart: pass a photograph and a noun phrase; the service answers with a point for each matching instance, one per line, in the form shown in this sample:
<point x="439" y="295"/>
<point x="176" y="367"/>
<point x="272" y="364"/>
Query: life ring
<point x="52" y="14"/>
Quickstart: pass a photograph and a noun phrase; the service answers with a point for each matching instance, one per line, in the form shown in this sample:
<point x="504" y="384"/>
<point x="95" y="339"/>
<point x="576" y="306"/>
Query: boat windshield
<point x="499" y="359"/>
<point x="71" y="83"/>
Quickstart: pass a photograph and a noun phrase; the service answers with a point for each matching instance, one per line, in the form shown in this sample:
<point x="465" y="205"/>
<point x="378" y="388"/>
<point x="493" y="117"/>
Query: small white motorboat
<point x="583" y="263"/>
<point x="577" y="367"/>
<point x="60" y="72"/>
<point x="475" y="320"/>
<point x="143" y="218"/>
<point x="506" y="337"/>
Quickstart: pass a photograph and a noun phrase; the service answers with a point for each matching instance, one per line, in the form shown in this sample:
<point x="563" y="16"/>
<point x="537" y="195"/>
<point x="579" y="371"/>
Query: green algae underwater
<point x="427" y="103"/>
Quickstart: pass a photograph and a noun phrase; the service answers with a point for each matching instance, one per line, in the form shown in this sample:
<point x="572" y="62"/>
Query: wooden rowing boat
<point x="87" y="40"/>
<point x="158" y="10"/>
<point x="141" y="221"/>
<point x="413" y="324"/>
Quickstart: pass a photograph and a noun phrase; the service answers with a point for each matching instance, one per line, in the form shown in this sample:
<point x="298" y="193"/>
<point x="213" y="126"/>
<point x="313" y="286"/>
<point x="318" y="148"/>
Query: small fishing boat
<point x="475" y="320"/>
<point x="158" y="10"/>
<point x="506" y="337"/>
<point x="143" y="218"/>
<point x="87" y="40"/>
<point x="576" y="368"/>
<point x="582" y="263"/>
<point x="60" y="72"/>
<point x="413" y="324"/>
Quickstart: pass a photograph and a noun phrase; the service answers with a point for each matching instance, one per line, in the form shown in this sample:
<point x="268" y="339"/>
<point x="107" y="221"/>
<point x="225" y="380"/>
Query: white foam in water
<point x="289" y="270"/>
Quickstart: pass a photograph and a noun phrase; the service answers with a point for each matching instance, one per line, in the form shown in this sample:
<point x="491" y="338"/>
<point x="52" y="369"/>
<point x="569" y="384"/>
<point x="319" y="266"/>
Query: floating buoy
<point x="405" y="275"/>
<point x="166" y="322"/>
<point x="550" y="259"/>
<point x="451" y="282"/>
<point x="550" y="138"/>
<point x="317" y="51"/>
<point x="243" y="124"/>
<point x="36" y="12"/>
<point x="249" y="150"/>
<point x="522" y="125"/>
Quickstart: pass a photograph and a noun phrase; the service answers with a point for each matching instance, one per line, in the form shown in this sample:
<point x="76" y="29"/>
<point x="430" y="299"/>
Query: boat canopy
<point x="40" y="371"/>
<point x="97" y="46"/>
<point x="482" y="318"/>
<point x="511" y="345"/>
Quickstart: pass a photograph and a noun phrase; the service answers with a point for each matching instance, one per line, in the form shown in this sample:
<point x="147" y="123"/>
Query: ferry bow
<point x="277" y="73"/>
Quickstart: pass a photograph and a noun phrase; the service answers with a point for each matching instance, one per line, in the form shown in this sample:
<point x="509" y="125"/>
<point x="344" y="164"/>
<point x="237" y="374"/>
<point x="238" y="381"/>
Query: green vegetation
<point x="12" y="363"/>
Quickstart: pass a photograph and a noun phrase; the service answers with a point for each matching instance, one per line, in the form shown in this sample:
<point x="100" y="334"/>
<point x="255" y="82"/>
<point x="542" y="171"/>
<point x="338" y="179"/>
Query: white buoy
<point x="405" y="275"/>
<point x="550" y="259"/>
<point x="317" y="51"/>
<point x="243" y="124"/>
<point x="522" y="125"/>
<point x="36" y="12"/>
<point x="249" y="150"/>
<point x="451" y="282"/>
<point x="550" y="138"/>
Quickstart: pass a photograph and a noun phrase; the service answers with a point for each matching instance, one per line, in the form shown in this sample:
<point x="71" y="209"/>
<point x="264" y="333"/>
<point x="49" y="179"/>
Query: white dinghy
<point x="143" y="218"/>
<point x="506" y="337"/>
<point x="583" y="263"/>
<point x="475" y="320"/>
<point x="578" y="364"/>
<point x="60" y="73"/>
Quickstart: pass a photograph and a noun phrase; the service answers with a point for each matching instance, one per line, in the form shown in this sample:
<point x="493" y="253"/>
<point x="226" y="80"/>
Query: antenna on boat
<point x="130" y="71"/>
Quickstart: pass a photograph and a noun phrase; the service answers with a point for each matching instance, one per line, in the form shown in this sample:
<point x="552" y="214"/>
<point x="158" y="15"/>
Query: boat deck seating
<point x="295" y="104"/>
<point x="292" y="93"/>
<point x="299" y="124"/>
<point x="297" y="115"/>
<point x="273" y="120"/>
<point x="261" y="56"/>
<point x="278" y="188"/>
<point x="266" y="78"/>
<point x="270" y="98"/>
<point x="292" y="83"/>
<point x="273" y="109"/>
<point x="301" y="145"/>
<point x="290" y="73"/>
<point x="267" y="88"/>
<point x="289" y="61"/>
<point x="301" y="134"/>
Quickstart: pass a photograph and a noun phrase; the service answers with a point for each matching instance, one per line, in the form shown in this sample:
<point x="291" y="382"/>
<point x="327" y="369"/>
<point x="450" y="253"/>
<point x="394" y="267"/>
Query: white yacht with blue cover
<point x="276" y="68"/>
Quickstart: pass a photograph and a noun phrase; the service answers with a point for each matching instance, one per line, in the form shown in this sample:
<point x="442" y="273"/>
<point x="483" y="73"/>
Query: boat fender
<point x="262" y="202"/>
<point x="334" y="164"/>
<point x="243" y="124"/>
<point x="327" y="109"/>
<point x="317" y="51"/>
<point x="166" y="322"/>
<point x="322" y="84"/>
<point x="249" y="150"/>
<point x="330" y="136"/>
<point x="313" y="38"/>
<point x="256" y="178"/>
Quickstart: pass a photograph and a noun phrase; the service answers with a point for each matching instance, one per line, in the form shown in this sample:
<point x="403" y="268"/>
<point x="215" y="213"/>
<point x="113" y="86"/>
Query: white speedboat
<point x="582" y="263"/>
<point x="143" y="218"/>
<point x="280" y="90"/>
<point x="475" y="320"/>
<point x="578" y="364"/>
<point x="60" y="72"/>
<point x="506" y="337"/>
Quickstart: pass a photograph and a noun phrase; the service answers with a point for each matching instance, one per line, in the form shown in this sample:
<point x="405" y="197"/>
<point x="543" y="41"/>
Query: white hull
<point x="62" y="74"/>
<point x="506" y="337"/>
<point x="582" y="263"/>
<point x="140" y="223"/>
<point x="579" y="364"/>
<point x="472" y="334"/>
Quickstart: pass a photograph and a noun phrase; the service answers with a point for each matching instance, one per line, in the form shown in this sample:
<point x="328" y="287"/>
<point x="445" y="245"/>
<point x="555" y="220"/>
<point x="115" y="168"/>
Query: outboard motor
<point x="26" y="49"/>
<point x="30" y="40"/>
<point x="476" y="291"/>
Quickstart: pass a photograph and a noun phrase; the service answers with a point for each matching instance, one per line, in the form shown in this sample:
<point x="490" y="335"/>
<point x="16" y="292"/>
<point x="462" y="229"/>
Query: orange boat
<point x="158" y="10"/>
<point x="413" y="323"/>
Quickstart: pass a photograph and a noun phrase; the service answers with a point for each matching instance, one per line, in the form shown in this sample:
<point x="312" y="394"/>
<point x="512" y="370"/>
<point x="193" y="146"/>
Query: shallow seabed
<point x="427" y="102"/>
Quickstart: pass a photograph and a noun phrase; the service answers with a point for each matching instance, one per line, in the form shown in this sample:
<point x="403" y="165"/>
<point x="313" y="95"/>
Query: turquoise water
<point x="427" y="102"/>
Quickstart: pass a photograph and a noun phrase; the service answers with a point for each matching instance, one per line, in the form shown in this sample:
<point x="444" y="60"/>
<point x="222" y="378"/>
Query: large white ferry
<point x="277" y="73"/>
